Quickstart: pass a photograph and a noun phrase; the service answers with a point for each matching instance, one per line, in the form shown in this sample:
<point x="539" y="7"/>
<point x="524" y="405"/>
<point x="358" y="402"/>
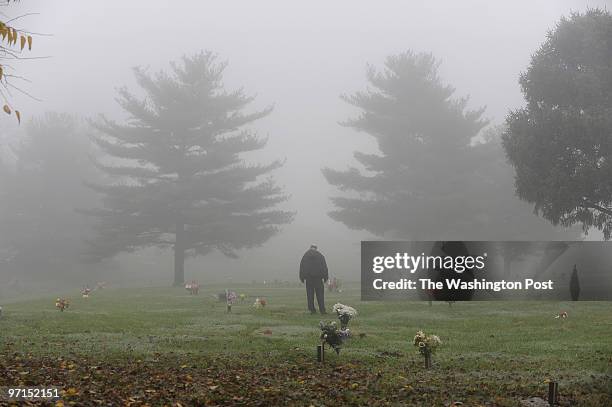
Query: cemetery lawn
<point x="161" y="346"/>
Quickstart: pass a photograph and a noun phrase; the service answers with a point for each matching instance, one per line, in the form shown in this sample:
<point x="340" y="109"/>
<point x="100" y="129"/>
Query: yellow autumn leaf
<point x="22" y="40"/>
<point x="1" y="72"/>
<point x="18" y="116"/>
<point x="29" y="42"/>
<point x="6" y="109"/>
<point x="15" y="36"/>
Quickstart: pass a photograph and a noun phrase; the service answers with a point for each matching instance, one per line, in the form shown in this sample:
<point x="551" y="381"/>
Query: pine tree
<point x="416" y="123"/>
<point x="179" y="179"/>
<point x="429" y="180"/>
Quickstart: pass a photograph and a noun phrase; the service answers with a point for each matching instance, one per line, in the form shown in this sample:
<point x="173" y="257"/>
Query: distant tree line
<point x="174" y="174"/>
<point x="41" y="184"/>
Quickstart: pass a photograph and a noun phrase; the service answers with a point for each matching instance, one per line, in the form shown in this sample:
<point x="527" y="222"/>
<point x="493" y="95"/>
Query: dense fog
<point x="299" y="58"/>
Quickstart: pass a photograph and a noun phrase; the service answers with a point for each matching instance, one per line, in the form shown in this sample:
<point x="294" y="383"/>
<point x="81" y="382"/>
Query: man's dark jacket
<point x="313" y="266"/>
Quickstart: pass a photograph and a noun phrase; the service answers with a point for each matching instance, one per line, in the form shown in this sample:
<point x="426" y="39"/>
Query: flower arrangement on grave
<point x="260" y="303"/>
<point x="334" y="285"/>
<point x="332" y="336"/>
<point x="242" y="297"/>
<point x="230" y="298"/>
<point x="427" y="345"/>
<point x="561" y="315"/>
<point x="61" y="304"/>
<point x="100" y="285"/>
<point x="345" y="314"/>
<point x="85" y="291"/>
<point x="193" y="287"/>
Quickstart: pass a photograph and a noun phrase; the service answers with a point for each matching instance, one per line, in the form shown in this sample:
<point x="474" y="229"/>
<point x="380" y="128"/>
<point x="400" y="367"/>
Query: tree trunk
<point x="507" y="266"/>
<point x="179" y="256"/>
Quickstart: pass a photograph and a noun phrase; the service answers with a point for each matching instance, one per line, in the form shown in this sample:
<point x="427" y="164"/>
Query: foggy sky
<point x="299" y="56"/>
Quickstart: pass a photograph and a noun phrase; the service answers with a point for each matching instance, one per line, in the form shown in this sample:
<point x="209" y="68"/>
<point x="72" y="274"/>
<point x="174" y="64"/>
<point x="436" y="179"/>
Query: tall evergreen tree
<point x="179" y="179"/>
<point x="415" y="121"/>
<point x="429" y="181"/>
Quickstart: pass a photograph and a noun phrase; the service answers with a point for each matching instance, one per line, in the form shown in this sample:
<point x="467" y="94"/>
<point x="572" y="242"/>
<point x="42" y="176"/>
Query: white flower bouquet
<point x="61" y="304"/>
<point x="427" y="344"/>
<point x="85" y="292"/>
<point x="260" y="303"/>
<point x="345" y="314"/>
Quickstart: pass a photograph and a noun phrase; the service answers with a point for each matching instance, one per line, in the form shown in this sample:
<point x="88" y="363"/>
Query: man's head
<point x="313" y="247"/>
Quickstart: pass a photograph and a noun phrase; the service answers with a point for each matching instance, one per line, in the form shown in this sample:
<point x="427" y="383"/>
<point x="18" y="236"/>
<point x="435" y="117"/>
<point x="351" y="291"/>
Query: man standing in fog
<point x="313" y="271"/>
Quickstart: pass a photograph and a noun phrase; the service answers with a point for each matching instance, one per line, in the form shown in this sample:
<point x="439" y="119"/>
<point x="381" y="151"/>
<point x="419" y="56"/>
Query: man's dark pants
<point x="315" y="286"/>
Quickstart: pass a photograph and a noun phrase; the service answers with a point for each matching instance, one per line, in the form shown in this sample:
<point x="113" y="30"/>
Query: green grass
<point x="492" y="352"/>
